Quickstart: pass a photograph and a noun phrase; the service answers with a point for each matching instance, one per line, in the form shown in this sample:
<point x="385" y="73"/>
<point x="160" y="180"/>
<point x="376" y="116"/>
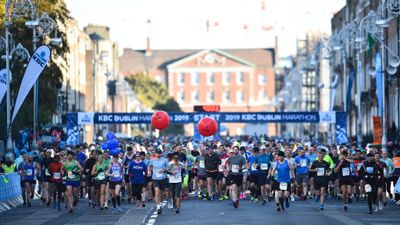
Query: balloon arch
<point x="75" y="120"/>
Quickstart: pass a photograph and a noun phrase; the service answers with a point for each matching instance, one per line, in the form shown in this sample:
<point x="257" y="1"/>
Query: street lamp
<point x="42" y="27"/>
<point x="19" y="8"/>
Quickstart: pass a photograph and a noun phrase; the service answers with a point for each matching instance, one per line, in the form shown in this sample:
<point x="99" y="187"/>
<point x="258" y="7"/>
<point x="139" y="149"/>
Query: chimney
<point x="148" y="48"/>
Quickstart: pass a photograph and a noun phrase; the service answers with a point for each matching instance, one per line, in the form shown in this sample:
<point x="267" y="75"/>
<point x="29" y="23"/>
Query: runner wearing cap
<point x="137" y="171"/>
<point x="157" y="167"/>
<point x="370" y="172"/>
<point x="29" y="172"/>
<point x="263" y="164"/>
<point x="302" y="162"/>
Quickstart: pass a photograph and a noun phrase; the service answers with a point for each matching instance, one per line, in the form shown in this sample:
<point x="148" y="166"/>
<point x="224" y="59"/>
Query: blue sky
<point x="177" y="24"/>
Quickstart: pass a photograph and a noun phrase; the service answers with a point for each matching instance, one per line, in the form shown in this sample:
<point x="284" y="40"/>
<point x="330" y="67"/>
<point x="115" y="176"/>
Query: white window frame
<point x="194" y="100"/>
<point x="193" y="75"/>
<point x="260" y="81"/>
<point x="224" y="99"/>
<point x="238" y="76"/>
<point x="180" y="97"/>
<point x="226" y="80"/>
<point x="261" y="94"/>
<point x="180" y="79"/>
<point x="210" y="78"/>
<point x="239" y="96"/>
<point x="209" y="96"/>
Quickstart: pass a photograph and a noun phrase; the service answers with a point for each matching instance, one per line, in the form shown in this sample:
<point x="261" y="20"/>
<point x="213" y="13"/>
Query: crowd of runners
<point x="262" y="172"/>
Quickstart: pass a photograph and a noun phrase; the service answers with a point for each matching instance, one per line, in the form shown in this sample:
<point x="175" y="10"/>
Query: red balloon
<point x="160" y="120"/>
<point x="207" y="126"/>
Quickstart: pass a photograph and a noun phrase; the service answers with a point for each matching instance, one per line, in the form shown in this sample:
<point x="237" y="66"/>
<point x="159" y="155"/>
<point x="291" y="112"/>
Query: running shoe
<point x="287" y="205"/>
<point x="177" y="211"/>
<point x="159" y="211"/>
<point x="234" y="204"/>
<point x="292" y="198"/>
<point x="29" y="204"/>
<point x="264" y="202"/>
<point x="114" y="211"/>
<point x="345" y="207"/>
<point x="321" y="207"/>
<point x="119" y="209"/>
<point x="143" y="205"/>
<point x="221" y="198"/>
<point x="380" y="206"/>
<point x="226" y="197"/>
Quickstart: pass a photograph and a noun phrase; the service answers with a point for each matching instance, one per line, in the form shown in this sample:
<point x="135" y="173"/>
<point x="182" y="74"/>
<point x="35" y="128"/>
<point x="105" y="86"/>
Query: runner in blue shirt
<point x="157" y="167"/>
<point x="302" y="162"/>
<point x="263" y="164"/>
<point x="137" y="173"/>
<point x="283" y="168"/>
<point x="253" y="178"/>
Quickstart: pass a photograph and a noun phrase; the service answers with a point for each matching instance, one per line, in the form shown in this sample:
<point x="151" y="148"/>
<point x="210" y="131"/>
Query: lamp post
<point x="42" y="27"/>
<point x="20" y="8"/>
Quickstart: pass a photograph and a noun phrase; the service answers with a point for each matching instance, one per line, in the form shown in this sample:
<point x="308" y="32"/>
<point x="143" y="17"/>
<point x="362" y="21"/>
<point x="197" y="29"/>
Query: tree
<point x="154" y="95"/>
<point x="49" y="78"/>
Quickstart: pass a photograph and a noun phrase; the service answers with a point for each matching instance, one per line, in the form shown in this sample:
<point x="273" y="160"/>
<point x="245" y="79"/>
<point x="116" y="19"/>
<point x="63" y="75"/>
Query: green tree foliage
<point x="51" y="75"/>
<point x="154" y="94"/>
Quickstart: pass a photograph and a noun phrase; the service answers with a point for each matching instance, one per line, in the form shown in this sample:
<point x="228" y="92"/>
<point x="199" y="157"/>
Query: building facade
<point x="356" y="10"/>
<point x="239" y="80"/>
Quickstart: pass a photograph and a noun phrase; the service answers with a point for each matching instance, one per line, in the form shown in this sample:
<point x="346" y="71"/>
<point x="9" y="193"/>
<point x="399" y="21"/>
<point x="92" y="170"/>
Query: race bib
<point x="159" y="175"/>
<point x="253" y="167"/>
<point x="283" y="186"/>
<point x="346" y="171"/>
<point x="101" y="176"/>
<point x="320" y="172"/>
<point x="116" y="174"/>
<point x="29" y="172"/>
<point x="264" y="166"/>
<point x="202" y="164"/>
<point x="71" y="175"/>
<point x="235" y="168"/>
<point x="370" y="169"/>
<point x="220" y="168"/>
<point x="57" y="176"/>
<point x="303" y="163"/>
<point x="368" y="188"/>
<point x="175" y="178"/>
<point x="46" y="172"/>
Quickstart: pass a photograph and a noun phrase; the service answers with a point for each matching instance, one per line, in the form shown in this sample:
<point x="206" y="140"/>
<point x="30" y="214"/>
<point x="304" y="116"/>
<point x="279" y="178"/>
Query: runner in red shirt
<point x="56" y="181"/>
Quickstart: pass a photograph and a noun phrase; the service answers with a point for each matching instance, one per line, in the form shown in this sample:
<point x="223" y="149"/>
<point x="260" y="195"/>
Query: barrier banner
<point x="341" y="128"/>
<point x="3" y="83"/>
<point x="10" y="186"/>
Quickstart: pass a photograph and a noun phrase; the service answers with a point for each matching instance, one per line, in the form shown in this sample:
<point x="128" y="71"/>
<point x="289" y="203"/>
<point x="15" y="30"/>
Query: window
<point x="261" y="94"/>
<point x="180" y="97"/>
<point x="239" y="78"/>
<point x="239" y="96"/>
<point x="210" y="78"/>
<point x="225" y="78"/>
<point x="195" y="78"/>
<point x="195" y="96"/>
<point x="210" y="97"/>
<point x="262" y="79"/>
<point x="226" y="96"/>
<point x="181" y="79"/>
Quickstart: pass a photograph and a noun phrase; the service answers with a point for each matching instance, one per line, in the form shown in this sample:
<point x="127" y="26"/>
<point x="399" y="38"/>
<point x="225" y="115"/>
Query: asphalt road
<point x="196" y="212"/>
<point x="199" y="212"/>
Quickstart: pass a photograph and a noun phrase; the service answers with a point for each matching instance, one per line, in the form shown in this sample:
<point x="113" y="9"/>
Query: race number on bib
<point x="368" y="188"/>
<point x="101" y="176"/>
<point x="303" y="163"/>
<point x="264" y="166"/>
<point x="235" y="168"/>
<point x="29" y="172"/>
<point x="346" y="171"/>
<point x="116" y="174"/>
<point x="370" y="169"/>
<point x="359" y="165"/>
<point x="220" y="168"/>
<point x="283" y="186"/>
<point x="71" y="175"/>
<point x="46" y="172"/>
<point x="159" y="174"/>
<point x="57" y="176"/>
<point x="320" y="172"/>
<point x="202" y="164"/>
<point x="253" y="167"/>
<point x="175" y="178"/>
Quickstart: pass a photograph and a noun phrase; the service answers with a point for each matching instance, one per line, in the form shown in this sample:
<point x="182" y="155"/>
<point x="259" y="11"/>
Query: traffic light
<point x="206" y="108"/>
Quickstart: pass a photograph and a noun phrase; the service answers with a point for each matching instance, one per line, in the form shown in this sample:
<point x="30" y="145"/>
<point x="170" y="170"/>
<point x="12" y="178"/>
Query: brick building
<point x="239" y="80"/>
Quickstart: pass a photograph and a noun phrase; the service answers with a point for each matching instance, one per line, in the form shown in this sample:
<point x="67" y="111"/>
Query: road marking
<point x="341" y="218"/>
<point x="154" y="216"/>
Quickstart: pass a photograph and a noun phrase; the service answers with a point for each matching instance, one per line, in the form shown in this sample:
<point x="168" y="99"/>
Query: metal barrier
<point x="10" y="191"/>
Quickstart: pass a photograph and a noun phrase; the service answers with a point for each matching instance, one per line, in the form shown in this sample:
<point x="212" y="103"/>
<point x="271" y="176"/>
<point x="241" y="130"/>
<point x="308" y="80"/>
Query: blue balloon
<point x="104" y="145"/>
<point x="110" y="136"/>
<point x="113" y="144"/>
<point x="115" y="151"/>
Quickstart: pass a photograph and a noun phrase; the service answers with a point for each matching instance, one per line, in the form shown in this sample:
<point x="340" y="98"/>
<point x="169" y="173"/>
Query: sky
<point x="182" y="24"/>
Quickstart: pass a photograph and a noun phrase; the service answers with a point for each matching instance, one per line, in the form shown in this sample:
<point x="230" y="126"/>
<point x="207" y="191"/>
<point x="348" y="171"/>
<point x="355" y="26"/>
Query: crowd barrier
<point x="10" y="191"/>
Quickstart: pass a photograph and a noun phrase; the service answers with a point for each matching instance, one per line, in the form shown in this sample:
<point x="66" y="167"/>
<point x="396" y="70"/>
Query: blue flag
<point x="348" y="97"/>
<point x="341" y="128"/>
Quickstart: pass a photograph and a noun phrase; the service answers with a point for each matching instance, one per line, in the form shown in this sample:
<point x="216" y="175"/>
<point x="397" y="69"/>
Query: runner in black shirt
<point x="370" y="172"/>
<point x="345" y="181"/>
<point x="321" y="168"/>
